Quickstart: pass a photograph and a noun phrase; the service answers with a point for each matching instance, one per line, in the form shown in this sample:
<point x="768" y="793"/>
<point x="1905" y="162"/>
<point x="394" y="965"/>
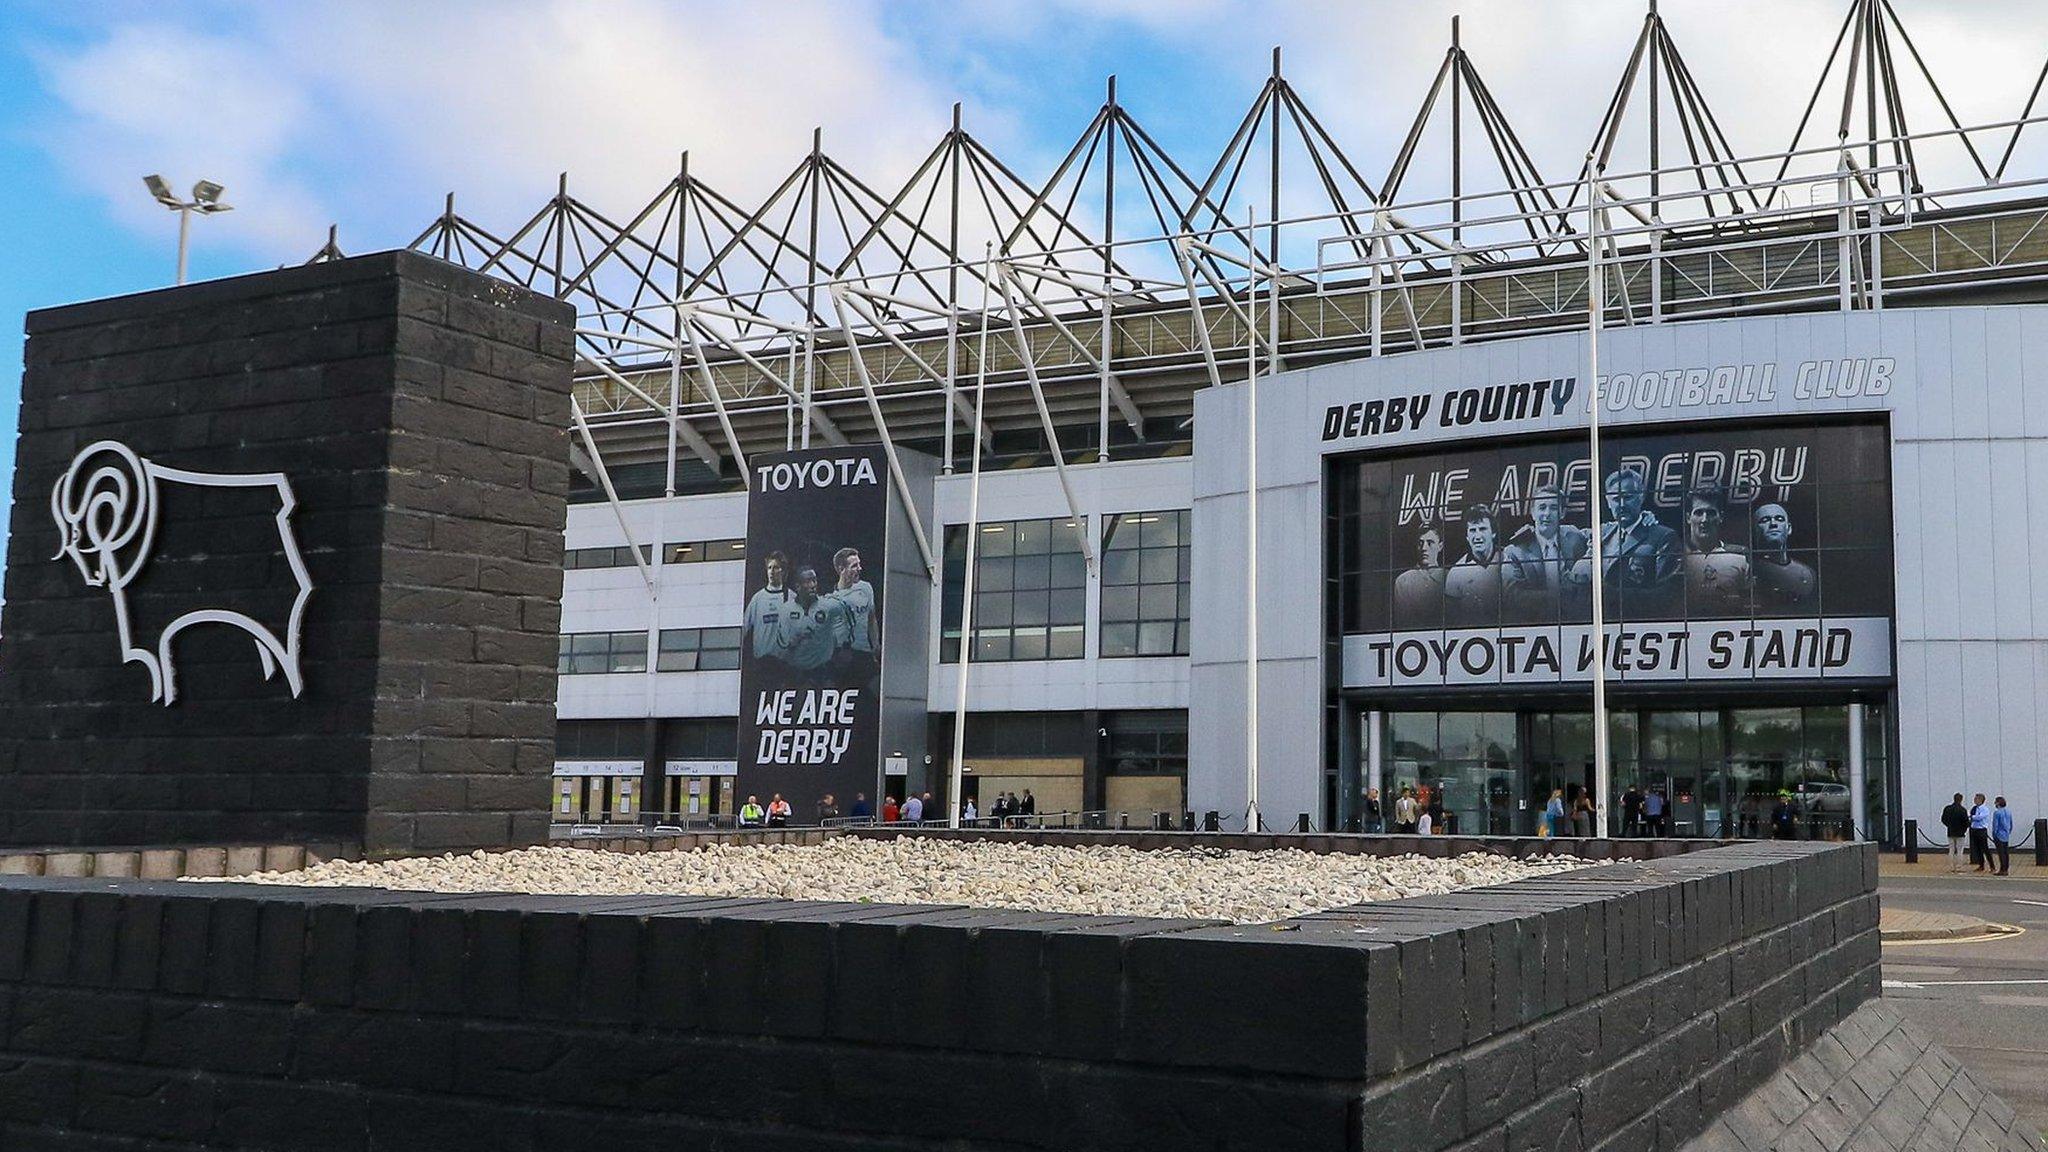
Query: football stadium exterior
<point x="1807" y="533"/>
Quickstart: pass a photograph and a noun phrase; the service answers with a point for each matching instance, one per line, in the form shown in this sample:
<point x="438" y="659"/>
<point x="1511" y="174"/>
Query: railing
<point x="1187" y="310"/>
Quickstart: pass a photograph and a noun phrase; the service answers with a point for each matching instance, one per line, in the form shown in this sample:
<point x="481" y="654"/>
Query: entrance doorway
<point x="1751" y="772"/>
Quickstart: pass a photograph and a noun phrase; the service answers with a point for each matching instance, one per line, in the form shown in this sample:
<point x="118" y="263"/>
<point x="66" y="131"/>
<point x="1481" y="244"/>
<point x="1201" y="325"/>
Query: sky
<point x="364" y="114"/>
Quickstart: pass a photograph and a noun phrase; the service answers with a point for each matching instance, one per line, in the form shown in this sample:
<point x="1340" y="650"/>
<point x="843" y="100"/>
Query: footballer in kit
<point x="762" y="626"/>
<point x="1717" y="572"/>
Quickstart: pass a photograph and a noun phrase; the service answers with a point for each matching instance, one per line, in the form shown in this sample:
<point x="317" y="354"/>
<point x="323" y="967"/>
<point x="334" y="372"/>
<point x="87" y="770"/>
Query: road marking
<point x="2035" y="903"/>
<point x="1956" y="983"/>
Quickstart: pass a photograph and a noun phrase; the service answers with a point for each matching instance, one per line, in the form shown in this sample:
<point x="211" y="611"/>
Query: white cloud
<point x="366" y="112"/>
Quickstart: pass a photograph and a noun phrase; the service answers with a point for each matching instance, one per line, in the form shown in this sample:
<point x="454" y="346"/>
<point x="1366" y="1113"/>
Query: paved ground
<point x="1986" y="1001"/>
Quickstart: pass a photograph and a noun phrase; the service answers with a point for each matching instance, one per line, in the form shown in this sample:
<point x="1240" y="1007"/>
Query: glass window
<point x="699" y="650"/>
<point x="620" y="557"/>
<point x="1145" y="593"/>
<point x="588" y="653"/>
<point x="704" y="551"/>
<point x="1030" y="591"/>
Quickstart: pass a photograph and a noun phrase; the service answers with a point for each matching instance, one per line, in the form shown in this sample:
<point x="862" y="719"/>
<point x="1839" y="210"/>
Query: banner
<point x="1727" y="554"/>
<point x="811" y="627"/>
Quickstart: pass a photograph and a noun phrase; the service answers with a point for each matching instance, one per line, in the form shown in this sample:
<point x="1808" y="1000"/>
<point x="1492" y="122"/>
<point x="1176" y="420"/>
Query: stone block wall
<point x="419" y="412"/>
<point x="1620" y="1007"/>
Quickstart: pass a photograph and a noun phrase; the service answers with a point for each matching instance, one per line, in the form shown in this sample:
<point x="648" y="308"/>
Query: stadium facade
<point x="1819" y="391"/>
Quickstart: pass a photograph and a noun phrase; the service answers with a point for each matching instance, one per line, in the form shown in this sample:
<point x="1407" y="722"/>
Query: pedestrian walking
<point x="1582" y="817"/>
<point x="2001" y="835"/>
<point x="1553" y="815"/>
<point x="1980" y="833"/>
<point x="1955" y="820"/>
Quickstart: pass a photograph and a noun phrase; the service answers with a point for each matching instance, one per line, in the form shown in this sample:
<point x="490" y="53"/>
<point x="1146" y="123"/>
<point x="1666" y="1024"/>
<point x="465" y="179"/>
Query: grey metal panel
<point x="2004" y="374"/>
<point x="2019" y="760"/>
<point x="1216" y="745"/>
<point x="1217" y="558"/>
<point x="1949" y="753"/>
<point x="2034" y="479"/>
<point x="1939" y="588"/>
<point x="2031" y="353"/>
<point x="1974" y="531"/>
<point x="1967" y="374"/>
<point x="2009" y="564"/>
<point x="1908" y="573"/>
<point x="1976" y="689"/>
<point x="1930" y="411"/>
<point x="906" y="613"/>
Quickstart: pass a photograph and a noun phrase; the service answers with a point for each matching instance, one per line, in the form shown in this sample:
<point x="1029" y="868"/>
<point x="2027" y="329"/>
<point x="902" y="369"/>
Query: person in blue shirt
<point x="1980" y="833"/>
<point x="2001" y="835"/>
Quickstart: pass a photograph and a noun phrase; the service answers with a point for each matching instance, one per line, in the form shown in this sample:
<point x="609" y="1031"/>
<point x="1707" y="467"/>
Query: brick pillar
<point x="418" y="413"/>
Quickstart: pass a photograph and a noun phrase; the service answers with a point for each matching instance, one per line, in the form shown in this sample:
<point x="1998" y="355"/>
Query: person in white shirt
<point x="857" y="597"/>
<point x="762" y="627"/>
<point x="1423" y="824"/>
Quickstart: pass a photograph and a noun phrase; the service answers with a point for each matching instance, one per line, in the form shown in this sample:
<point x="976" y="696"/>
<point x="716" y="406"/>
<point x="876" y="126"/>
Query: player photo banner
<point x="1730" y="553"/>
<point x="811" y="625"/>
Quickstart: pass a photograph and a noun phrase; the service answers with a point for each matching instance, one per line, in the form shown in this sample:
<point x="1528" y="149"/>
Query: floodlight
<point x="205" y="200"/>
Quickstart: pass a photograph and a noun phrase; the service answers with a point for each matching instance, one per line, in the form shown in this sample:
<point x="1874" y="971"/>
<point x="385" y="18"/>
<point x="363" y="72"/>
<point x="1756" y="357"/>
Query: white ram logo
<point x="106" y="507"/>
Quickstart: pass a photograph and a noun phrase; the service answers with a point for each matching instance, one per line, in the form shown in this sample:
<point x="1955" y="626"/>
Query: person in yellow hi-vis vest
<point x="751" y="815"/>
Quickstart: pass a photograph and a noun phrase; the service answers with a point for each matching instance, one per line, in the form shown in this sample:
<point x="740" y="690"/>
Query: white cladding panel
<point x="708" y="595"/>
<point x="1968" y="410"/>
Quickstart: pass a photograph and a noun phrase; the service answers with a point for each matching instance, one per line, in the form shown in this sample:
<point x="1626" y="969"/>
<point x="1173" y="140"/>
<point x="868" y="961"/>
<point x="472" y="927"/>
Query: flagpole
<point x="1603" y="783"/>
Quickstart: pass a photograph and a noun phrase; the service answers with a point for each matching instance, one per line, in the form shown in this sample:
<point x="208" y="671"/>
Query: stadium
<point x="1807" y="533"/>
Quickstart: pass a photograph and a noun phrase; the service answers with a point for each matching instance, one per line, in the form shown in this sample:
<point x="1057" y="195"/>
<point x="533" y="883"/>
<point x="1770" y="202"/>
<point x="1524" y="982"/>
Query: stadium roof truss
<point x="1092" y="304"/>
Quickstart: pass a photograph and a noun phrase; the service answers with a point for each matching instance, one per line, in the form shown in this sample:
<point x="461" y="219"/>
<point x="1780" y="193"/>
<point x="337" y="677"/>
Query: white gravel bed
<point x="1198" y="883"/>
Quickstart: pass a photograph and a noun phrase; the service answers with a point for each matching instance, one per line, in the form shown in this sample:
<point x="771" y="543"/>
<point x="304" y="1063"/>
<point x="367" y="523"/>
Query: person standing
<point x="750" y="813"/>
<point x="891" y="810"/>
<point x="1404" y="812"/>
<point x="1980" y="833"/>
<point x="778" y="812"/>
<point x="2001" y="835"/>
<point x="1631" y="800"/>
<point x="828" y="808"/>
<point x="1373" y="818"/>
<point x="1029" y="804"/>
<point x="929" y="811"/>
<point x="1553" y="814"/>
<point x="861" y="811"/>
<point x="967" y="813"/>
<point x="1424" y="824"/>
<point x="1955" y="820"/>
<point x="1582" y="816"/>
<point x="913" y="811"/>
<point x="1654" y="810"/>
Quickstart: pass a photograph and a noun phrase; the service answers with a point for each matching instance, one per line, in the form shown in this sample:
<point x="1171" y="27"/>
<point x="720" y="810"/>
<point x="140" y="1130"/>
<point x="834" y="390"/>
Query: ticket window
<point x="566" y="810"/>
<point x="625" y="796"/>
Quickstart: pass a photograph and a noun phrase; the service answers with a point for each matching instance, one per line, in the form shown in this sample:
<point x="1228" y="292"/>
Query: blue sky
<point x="364" y="114"/>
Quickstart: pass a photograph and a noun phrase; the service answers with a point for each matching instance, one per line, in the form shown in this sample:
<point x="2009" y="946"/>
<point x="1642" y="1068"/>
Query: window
<point x="1030" y="591"/>
<point x="601" y="740"/>
<point x="704" y="551"/>
<point x="698" y="649"/>
<point x="620" y="557"/>
<point x="585" y="653"/>
<point x="1146" y="743"/>
<point x="1145" y="562"/>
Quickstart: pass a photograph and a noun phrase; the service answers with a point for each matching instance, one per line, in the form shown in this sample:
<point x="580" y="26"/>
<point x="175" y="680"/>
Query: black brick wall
<point x="419" y="411"/>
<point x="1617" y="1008"/>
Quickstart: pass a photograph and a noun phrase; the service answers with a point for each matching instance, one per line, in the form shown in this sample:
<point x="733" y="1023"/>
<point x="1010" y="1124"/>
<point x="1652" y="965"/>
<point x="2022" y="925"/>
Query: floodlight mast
<point x="205" y="199"/>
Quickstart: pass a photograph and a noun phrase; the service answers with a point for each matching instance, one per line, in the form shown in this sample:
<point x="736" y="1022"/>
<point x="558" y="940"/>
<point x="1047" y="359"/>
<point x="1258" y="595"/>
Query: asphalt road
<point x="1986" y="1002"/>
